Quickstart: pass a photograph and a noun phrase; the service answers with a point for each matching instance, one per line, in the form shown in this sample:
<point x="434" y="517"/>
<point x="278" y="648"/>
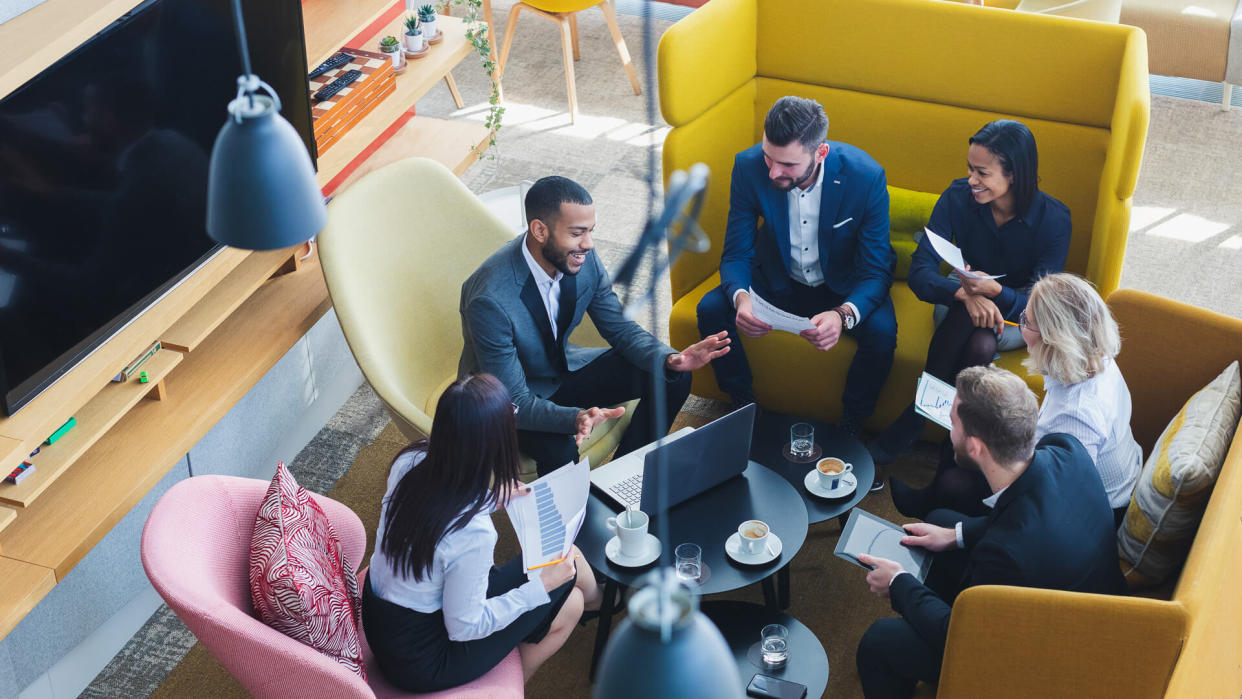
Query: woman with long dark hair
<point x="437" y="613"/>
<point x="1005" y="227"/>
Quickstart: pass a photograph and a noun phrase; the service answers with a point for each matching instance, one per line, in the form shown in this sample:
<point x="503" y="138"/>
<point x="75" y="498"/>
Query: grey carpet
<point x="1186" y="242"/>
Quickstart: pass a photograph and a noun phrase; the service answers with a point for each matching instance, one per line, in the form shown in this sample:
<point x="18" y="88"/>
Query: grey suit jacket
<point x="507" y="334"/>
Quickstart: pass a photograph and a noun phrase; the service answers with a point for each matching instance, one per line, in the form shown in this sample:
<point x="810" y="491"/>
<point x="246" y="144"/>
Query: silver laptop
<point x="724" y="444"/>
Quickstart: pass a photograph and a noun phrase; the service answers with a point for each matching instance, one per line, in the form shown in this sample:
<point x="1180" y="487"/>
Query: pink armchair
<point x="196" y="548"/>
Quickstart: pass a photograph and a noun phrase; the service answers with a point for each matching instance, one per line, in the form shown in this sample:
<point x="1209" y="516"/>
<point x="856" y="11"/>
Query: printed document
<point x="933" y="399"/>
<point x="953" y="255"/>
<point x="778" y="319"/>
<point x="547" y="519"/>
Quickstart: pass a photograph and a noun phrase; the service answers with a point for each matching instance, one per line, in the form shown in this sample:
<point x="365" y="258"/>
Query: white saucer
<point x="772" y="551"/>
<point x="612" y="550"/>
<point x="845" y="486"/>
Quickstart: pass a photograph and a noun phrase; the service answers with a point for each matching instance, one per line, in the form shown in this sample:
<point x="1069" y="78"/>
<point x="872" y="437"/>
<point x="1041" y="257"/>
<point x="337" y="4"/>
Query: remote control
<point x="327" y="91"/>
<point x="336" y="61"/>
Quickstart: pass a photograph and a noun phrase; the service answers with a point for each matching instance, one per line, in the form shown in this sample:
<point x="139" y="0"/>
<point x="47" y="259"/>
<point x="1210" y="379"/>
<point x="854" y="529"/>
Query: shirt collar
<point x="541" y="277"/>
<point x="990" y="501"/>
<point x="819" y="181"/>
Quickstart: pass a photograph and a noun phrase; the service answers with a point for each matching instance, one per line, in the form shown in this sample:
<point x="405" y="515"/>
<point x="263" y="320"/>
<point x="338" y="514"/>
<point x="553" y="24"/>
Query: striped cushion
<point x="300" y="582"/>
<point x="1177" y="481"/>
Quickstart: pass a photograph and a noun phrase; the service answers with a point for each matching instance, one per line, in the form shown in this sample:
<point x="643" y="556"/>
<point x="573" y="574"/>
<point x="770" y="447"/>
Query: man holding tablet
<point x="1050" y="527"/>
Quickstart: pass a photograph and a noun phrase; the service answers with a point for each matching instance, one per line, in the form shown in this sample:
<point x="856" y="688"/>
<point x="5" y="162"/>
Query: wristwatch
<point x="847" y="318"/>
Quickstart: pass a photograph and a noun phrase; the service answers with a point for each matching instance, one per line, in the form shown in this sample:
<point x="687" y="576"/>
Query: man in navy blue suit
<point x="821" y="251"/>
<point x="1050" y="527"/>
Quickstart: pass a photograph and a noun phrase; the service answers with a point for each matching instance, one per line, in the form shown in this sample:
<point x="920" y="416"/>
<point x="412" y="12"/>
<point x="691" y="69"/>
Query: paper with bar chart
<point x="933" y="399"/>
<point x="548" y="519"/>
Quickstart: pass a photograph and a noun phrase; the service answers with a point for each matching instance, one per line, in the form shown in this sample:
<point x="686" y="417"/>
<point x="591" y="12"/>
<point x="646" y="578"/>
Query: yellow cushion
<point x="1177" y="481"/>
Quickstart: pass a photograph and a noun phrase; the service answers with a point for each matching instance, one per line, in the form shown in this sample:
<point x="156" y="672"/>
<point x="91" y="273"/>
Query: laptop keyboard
<point x="628" y="491"/>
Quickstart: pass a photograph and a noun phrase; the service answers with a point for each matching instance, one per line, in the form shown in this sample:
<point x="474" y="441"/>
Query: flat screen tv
<point x="103" y="173"/>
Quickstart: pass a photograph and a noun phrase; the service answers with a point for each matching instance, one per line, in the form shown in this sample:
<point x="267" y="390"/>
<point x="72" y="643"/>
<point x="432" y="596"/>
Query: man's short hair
<point x="796" y="119"/>
<point x="544" y="198"/>
<point x="998" y="408"/>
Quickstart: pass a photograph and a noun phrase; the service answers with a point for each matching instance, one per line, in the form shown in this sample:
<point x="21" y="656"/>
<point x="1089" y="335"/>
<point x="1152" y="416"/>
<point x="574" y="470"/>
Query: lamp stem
<point x="239" y="26"/>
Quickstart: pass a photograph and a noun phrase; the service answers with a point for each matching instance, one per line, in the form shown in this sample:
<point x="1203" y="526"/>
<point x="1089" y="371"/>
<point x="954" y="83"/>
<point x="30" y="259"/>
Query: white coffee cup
<point x="631" y="528"/>
<point x="830" y="471"/>
<point x="753" y="535"/>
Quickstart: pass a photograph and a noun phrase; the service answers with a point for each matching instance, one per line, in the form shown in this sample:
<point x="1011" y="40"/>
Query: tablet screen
<point x="865" y="533"/>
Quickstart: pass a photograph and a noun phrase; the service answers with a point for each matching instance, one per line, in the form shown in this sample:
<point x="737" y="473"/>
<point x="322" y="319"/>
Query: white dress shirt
<point x="549" y="287"/>
<point x="804" y="231"/>
<point x="1097" y="413"/>
<point x="457" y="582"/>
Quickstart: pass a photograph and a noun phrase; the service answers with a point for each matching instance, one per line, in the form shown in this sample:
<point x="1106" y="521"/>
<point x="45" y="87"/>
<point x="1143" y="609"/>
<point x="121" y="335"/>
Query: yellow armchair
<point x="398" y="245"/>
<point x="908" y="81"/>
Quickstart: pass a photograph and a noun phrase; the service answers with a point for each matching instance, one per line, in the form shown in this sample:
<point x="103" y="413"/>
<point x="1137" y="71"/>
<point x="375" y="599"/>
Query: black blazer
<point x="1052" y="528"/>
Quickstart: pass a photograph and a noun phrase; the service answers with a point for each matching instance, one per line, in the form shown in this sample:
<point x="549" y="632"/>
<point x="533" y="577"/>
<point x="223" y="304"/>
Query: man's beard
<point x="963" y="459"/>
<point x="798" y="182"/>
<point x="559" y="260"/>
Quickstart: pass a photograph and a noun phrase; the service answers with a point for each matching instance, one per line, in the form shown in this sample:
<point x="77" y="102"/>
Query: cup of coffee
<point x="754" y="536"/>
<point x="831" y="470"/>
<point x="631" y="528"/>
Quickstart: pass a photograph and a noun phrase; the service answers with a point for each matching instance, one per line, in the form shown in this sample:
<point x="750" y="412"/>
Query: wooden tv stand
<point x="232" y="320"/>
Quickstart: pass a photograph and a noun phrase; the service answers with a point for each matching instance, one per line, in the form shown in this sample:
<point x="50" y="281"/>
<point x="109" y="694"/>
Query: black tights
<point x="954" y="487"/>
<point x="958" y="344"/>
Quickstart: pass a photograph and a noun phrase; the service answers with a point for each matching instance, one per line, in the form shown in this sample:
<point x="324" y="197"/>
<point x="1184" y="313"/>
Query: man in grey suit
<point x="522" y="303"/>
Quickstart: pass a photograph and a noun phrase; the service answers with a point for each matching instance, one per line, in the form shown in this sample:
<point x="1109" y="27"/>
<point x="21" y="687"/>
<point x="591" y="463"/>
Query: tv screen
<point x="103" y="173"/>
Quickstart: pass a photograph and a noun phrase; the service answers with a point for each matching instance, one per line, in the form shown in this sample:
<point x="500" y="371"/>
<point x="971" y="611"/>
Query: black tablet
<point x="866" y="533"/>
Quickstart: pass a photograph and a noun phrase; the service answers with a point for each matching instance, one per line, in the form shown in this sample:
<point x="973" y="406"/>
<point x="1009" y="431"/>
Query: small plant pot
<point x="429" y="29"/>
<point x="414" y="42"/>
<point x="398" y="58"/>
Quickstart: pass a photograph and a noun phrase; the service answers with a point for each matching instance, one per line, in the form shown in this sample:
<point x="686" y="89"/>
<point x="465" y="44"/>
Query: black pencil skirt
<point x="413" y="649"/>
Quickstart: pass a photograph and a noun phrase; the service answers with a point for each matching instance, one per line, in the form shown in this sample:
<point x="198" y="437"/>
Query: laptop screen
<point x="702" y="459"/>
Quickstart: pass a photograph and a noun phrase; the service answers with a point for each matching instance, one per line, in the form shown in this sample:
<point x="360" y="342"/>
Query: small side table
<point x="741" y="622"/>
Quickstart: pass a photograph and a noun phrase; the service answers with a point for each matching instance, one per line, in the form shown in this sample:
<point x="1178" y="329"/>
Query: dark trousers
<point x="876" y="336"/>
<point x="892" y="658"/>
<point x="608" y="380"/>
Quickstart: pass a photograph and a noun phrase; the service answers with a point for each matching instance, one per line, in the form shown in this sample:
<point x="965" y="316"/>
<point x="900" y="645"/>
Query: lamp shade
<point x="261" y="191"/>
<point x="688" y="658"/>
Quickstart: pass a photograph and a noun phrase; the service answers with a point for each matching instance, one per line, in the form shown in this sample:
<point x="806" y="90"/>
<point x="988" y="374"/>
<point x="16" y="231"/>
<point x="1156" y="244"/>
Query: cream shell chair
<point x="398" y="244"/>
<point x="1098" y="10"/>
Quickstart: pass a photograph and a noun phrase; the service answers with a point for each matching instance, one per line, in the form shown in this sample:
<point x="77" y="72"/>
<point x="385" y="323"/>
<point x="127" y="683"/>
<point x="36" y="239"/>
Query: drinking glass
<point x="801" y="439"/>
<point x="774" y="642"/>
<point x="689" y="562"/>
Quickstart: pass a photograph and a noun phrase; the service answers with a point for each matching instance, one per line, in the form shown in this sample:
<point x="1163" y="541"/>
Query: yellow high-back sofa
<point x="1021" y="642"/>
<point x="909" y="81"/>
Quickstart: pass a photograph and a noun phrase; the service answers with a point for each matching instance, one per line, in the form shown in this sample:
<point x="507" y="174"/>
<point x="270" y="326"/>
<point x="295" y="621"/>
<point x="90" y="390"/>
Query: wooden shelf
<point x="221" y="301"/>
<point x="74" y="513"/>
<point x="42" y="35"/>
<point x="24" y="585"/>
<point x="454" y="144"/>
<point x="94" y="420"/>
<point x="331" y="23"/>
<point x="7" y="515"/>
<point x="416" y="81"/>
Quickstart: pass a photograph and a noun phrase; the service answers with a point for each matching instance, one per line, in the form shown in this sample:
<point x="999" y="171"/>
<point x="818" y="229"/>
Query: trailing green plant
<point x="479" y="37"/>
<point x="427" y="13"/>
<point x="389" y="44"/>
<point x="411" y="25"/>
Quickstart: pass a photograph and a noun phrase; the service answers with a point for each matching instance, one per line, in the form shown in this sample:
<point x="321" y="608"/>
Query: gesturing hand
<point x="984" y="287"/>
<point x="984" y="313"/>
<point x="930" y="537"/>
<point x="700" y="353"/>
<point x="747" y="323"/>
<point x="882" y="572"/>
<point x="827" y="330"/>
<point x="589" y="418"/>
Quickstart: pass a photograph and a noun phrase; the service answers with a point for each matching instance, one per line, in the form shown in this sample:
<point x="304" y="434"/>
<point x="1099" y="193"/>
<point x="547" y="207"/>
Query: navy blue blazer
<point x="854" y="250"/>
<point x="1052" y="528"/>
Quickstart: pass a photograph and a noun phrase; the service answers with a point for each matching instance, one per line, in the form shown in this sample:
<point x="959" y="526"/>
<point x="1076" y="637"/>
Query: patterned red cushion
<point x="300" y="582"/>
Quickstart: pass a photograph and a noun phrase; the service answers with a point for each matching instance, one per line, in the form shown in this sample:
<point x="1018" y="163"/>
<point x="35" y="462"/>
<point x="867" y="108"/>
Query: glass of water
<point x="774" y="642"/>
<point x="801" y="439"/>
<point x="689" y="562"/>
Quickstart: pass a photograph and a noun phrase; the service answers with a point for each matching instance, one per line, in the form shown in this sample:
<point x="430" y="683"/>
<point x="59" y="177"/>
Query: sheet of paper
<point x="778" y="319"/>
<point x="548" y="519"/>
<point x="933" y="399"/>
<point x="953" y="255"/>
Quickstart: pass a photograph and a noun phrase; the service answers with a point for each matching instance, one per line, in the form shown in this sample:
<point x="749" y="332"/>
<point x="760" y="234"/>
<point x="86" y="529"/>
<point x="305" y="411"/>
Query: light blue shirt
<point x="457" y="582"/>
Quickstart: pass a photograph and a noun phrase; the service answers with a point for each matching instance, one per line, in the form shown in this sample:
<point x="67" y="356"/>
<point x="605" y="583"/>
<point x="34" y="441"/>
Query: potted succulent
<point x="413" y="35"/>
<point x="392" y="47"/>
<point x="427" y="18"/>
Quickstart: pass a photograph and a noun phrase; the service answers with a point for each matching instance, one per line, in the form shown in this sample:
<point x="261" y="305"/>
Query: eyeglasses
<point x="1022" y="322"/>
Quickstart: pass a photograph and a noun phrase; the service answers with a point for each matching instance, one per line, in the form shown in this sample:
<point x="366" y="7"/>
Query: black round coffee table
<point x="741" y="622"/>
<point x="707" y="520"/>
<point x="767" y="446"/>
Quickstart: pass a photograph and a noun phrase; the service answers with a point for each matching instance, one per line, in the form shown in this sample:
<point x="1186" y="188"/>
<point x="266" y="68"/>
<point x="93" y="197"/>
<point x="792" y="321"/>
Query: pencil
<point x="1010" y="322"/>
<point x="549" y="563"/>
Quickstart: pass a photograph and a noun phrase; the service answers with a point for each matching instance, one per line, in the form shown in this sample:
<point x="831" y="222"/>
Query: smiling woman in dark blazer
<point x="1004" y="225"/>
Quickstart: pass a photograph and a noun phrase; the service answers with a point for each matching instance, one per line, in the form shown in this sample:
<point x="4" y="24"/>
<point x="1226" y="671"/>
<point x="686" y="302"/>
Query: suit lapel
<point x="829" y="205"/>
<point x="778" y="205"/>
<point x="534" y="303"/>
<point x="568" y="303"/>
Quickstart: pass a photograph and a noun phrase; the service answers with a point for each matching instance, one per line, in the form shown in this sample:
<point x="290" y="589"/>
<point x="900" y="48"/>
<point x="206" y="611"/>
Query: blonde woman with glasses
<point x="1072" y="339"/>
